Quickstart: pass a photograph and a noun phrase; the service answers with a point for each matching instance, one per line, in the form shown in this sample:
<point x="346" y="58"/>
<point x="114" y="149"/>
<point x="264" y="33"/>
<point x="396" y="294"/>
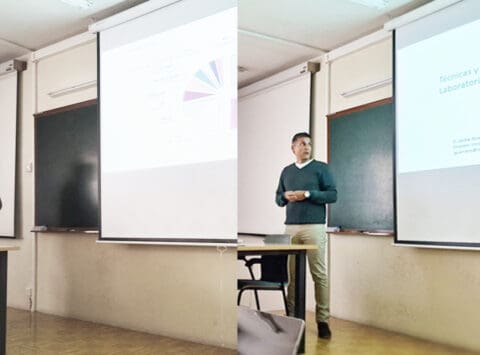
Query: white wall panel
<point x="267" y="121"/>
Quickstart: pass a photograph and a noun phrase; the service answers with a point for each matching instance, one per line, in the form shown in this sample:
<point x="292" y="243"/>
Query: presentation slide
<point x="438" y="101"/>
<point x="437" y="85"/>
<point x="184" y="95"/>
<point x="169" y="133"/>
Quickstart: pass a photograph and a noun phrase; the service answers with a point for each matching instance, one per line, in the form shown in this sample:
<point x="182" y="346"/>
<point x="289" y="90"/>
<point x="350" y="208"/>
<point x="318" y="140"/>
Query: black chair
<point x="274" y="277"/>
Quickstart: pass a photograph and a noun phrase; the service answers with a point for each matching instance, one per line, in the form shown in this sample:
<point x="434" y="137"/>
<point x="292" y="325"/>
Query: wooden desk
<point x="3" y="295"/>
<point x="255" y="246"/>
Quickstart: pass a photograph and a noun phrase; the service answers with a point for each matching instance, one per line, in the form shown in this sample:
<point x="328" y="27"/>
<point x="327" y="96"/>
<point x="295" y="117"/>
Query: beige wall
<point x="182" y="292"/>
<point x="20" y="265"/>
<point x="427" y="293"/>
<point x="75" y="66"/>
<point x="364" y="67"/>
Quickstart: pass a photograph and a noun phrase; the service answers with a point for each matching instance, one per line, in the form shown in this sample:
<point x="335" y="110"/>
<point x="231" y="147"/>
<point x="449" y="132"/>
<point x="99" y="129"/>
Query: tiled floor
<point x="353" y="338"/>
<point x="41" y="334"/>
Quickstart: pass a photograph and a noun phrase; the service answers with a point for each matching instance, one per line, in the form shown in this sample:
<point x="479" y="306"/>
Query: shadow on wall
<point x="79" y="201"/>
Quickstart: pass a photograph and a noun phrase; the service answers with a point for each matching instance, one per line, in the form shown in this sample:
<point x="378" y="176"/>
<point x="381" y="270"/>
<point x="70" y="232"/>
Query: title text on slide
<point x="464" y="75"/>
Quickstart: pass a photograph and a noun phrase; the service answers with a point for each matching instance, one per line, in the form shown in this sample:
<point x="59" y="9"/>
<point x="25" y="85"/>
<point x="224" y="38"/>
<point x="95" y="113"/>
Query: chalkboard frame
<point x="339" y="114"/>
<point x="47" y="114"/>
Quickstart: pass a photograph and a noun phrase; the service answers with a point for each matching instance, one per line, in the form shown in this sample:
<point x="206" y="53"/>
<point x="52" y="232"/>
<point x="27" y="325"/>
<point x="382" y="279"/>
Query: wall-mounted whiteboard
<point x="168" y="128"/>
<point x="267" y="121"/>
<point x="8" y="132"/>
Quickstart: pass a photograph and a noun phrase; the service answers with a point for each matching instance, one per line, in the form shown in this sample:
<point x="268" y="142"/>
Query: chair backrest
<point x="274" y="268"/>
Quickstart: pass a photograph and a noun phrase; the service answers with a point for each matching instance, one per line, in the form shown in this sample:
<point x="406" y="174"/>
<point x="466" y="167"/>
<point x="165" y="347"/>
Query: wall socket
<point x="28" y="292"/>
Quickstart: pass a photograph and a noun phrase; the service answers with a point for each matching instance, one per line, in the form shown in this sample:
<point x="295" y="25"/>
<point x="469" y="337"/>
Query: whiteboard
<point x="267" y="121"/>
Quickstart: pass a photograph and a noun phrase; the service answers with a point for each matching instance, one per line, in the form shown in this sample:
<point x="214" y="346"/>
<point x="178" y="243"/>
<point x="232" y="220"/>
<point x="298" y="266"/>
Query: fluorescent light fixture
<point x="73" y="88"/>
<point x="83" y="4"/>
<point x="368" y="87"/>
<point x="377" y="4"/>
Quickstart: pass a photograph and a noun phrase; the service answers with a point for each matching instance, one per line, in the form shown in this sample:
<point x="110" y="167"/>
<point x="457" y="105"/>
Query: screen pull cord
<point x="221" y="250"/>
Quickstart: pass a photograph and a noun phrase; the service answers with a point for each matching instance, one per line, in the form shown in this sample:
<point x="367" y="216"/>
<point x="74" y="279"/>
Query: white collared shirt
<point x="301" y="165"/>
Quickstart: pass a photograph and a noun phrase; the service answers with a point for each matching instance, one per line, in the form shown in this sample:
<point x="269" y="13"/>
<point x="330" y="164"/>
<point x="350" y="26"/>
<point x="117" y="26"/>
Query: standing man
<point x="305" y="187"/>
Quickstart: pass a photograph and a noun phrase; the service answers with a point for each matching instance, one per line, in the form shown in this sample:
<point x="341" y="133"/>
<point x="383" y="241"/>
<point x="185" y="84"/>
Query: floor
<point x="353" y="338"/>
<point x="41" y="334"/>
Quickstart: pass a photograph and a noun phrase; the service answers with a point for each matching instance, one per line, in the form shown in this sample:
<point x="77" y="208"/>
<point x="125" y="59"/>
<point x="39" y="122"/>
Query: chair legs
<point x="256" y="299"/>
<point x="285" y="302"/>
<point x="239" y="298"/>
<point x="257" y="302"/>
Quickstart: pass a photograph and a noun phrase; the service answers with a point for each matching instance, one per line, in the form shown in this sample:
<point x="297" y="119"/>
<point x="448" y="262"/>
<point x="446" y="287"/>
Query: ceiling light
<point x="377" y="4"/>
<point x="84" y="4"/>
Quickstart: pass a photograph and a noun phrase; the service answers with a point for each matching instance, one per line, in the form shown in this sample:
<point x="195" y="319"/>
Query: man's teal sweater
<point x="314" y="177"/>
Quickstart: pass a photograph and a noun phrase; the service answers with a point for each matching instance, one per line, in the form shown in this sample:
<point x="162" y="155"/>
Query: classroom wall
<point x="427" y="293"/>
<point x="182" y="292"/>
<point x="294" y="95"/>
<point x="20" y="264"/>
<point x="75" y="66"/>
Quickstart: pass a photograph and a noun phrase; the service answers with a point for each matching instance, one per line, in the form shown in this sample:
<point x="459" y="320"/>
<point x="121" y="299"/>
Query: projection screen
<point x="437" y="85"/>
<point x="8" y="133"/>
<point x="168" y="130"/>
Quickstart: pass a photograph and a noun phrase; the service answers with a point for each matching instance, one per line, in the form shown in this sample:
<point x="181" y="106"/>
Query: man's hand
<point x="294" y="196"/>
<point x="290" y="196"/>
<point x="299" y="195"/>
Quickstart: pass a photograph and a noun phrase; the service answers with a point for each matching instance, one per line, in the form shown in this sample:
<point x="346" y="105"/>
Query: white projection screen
<point x="168" y="126"/>
<point x="437" y="92"/>
<point x="267" y="121"/>
<point x="8" y="133"/>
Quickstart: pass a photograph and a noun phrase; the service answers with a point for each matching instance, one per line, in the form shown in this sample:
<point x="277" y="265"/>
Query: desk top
<point x="8" y="247"/>
<point x="274" y="247"/>
<point x="247" y="243"/>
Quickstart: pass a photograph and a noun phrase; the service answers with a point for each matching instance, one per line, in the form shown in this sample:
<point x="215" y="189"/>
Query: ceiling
<point x="27" y="25"/>
<point x="273" y="34"/>
<point x="267" y="27"/>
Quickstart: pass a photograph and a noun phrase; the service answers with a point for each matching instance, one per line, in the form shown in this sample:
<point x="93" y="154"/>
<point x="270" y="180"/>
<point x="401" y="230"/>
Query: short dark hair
<point x="300" y="135"/>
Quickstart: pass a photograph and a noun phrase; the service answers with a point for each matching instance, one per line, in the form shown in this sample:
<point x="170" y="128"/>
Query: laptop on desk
<point x="277" y="239"/>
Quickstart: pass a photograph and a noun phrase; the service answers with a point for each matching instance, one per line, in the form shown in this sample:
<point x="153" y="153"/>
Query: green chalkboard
<point x="66" y="159"/>
<point x="360" y="156"/>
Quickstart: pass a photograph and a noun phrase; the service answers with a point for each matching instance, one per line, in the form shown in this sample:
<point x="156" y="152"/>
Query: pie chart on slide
<point x="207" y="81"/>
